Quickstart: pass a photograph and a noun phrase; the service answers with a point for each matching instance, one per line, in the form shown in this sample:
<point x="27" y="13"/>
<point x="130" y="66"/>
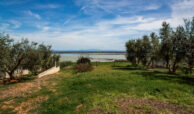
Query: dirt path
<point x="10" y="95"/>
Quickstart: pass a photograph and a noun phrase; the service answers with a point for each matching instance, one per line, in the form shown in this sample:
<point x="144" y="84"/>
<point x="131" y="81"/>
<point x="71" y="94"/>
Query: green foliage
<point x="189" y="29"/>
<point x="166" y="43"/>
<point x="83" y="60"/>
<point x="5" y="42"/>
<point x="24" y="55"/>
<point x="139" y="51"/>
<point x="145" y="50"/>
<point x="132" y="52"/>
<point x="65" y="64"/>
<point x="82" y="67"/>
<point x="174" y="47"/>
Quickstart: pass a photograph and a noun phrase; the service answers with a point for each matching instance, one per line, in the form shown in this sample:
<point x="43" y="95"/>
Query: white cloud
<point x="46" y="28"/>
<point x="110" y="33"/>
<point x="113" y="6"/>
<point x="153" y="7"/>
<point x="102" y="35"/>
<point x="95" y="6"/>
<point x="181" y="10"/>
<point x="44" y="6"/>
<point x="37" y="16"/>
<point x="4" y="27"/>
<point x="16" y="24"/>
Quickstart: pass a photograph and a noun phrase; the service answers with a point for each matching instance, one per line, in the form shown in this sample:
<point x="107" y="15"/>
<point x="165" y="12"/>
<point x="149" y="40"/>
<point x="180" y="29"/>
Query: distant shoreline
<point x="90" y="52"/>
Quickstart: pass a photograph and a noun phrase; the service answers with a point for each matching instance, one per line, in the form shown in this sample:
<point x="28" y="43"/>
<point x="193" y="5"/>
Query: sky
<point x="89" y="24"/>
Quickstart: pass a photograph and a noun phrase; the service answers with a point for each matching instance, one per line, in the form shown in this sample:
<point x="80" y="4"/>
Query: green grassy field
<point x="106" y="89"/>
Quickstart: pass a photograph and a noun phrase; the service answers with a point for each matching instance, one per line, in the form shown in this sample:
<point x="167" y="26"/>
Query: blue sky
<point x="89" y="24"/>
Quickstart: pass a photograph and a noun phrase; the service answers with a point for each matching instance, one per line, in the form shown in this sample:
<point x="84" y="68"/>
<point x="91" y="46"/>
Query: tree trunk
<point x="153" y="64"/>
<point x="134" y="63"/>
<point x="169" y="69"/>
<point x="167" y="62"/>
<point x="174" y="68"/>
<point x="190" y="69"/>
<point x="11" y="75"/>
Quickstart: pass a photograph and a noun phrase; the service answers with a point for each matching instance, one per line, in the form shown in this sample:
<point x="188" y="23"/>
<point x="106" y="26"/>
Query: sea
<point x="94" y="57"/>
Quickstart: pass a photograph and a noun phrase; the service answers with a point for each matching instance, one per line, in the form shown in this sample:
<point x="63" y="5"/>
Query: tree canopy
<point x="174" y="47"/>
<point x="24" y="55"/>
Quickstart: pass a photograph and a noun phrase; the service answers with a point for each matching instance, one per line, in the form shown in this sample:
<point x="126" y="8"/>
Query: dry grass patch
<point x="127" y="105"/>
<point x="30" y="104"/>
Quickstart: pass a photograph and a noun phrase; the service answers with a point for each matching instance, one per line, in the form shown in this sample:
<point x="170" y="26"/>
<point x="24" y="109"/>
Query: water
<point x="100" y="57"/>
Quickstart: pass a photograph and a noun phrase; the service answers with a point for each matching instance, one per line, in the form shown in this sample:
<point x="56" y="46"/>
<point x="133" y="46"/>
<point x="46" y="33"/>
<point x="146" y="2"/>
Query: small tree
<point x="146" y="50"/>
<point x="131" y="52"/>
<point x="155" y="48"/>
<point x="5" y="43"/>
<point x="83" y="60"/>
<point x="178" y="48"/>
<point x="166" y="42"/>
<point x="16" y="54"/>
<point x="189" y="50"/>
<point x="46" y="56"/>
<point x="33" y="59"/>
<point x="24" y="55"/>
<point x="83" y="65"/>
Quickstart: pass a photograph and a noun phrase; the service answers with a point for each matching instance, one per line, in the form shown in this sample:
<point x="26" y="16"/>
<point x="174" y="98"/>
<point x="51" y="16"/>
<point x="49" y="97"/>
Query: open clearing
<point x="106" y="89"/>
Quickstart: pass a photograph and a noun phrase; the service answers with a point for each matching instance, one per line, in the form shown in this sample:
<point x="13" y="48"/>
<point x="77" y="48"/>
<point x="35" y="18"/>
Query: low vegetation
<point x="83" y="65"/>
<point x="106" y="89"/>
<point x="64" y="64"/>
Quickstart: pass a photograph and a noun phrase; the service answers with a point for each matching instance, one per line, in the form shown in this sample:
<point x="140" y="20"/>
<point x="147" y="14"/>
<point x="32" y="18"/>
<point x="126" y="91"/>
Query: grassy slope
<point x="105" y="84"/>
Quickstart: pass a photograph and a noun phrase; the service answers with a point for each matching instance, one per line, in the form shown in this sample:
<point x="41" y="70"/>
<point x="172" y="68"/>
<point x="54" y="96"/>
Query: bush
<point x="83" y="60"/>
<point x="65" y="64"/>
<point x="83" y="67"/>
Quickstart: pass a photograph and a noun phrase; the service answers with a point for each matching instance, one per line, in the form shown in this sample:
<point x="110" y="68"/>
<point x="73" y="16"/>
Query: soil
<point x="25" y="90"/>
<point x="143" y="106"/>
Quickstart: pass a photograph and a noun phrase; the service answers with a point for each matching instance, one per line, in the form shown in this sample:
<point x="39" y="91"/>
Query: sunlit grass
<point x="100" y="88"/>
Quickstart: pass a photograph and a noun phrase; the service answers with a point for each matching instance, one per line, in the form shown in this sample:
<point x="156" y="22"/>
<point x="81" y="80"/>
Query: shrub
<point x="65" y="64"/>
<point x="83" y="67"/>
<point x="83" y="60"/>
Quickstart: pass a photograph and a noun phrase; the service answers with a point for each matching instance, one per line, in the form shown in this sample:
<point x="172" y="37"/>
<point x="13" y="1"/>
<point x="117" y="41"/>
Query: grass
<point x="102" y="87"/>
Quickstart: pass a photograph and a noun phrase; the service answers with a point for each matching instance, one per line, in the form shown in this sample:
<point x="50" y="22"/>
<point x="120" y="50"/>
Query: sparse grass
<point x="101" y="88"/>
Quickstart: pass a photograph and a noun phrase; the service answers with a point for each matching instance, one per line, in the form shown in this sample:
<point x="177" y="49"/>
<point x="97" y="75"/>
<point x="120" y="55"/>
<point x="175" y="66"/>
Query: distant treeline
<point x="174" y="47"/>
<point x="24" y="55"/>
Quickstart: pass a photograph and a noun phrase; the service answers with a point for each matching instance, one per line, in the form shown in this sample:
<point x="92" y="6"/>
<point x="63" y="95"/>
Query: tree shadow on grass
<point x="128" y="67"/>
<point x="155" y="75"/>
<point x="21" y="79"/>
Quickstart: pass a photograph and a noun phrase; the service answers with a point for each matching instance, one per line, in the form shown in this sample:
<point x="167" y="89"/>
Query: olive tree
<point x="24" y="55"/>
<point x="178" y="48"/>
<point x="155" y="43"/>
<point x="166" y="42"/>
<point x="146" y="50"/>
<point x="15" y="56"/>
<point x="132" y="52"/>
<point x="5" y="43"/>
<point x="189" y="31"/>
